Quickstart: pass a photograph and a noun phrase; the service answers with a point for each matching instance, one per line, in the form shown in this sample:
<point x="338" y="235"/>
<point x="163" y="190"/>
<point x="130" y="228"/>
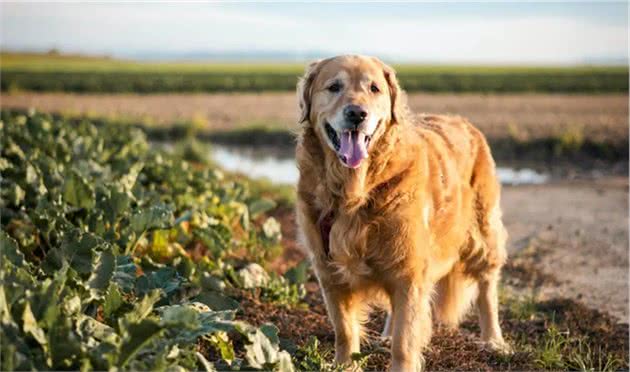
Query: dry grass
<point x="519" y="116"/>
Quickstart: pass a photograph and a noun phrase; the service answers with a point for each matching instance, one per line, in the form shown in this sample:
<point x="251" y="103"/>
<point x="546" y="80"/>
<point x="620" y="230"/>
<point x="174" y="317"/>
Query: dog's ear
<point x="395" y="94"/>
<point x="304" y="89"/>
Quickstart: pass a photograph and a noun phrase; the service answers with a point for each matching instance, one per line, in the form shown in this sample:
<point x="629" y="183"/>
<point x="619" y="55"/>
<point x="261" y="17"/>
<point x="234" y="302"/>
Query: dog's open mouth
<point x="333" y="137"/>
<point x="351" y="146"/>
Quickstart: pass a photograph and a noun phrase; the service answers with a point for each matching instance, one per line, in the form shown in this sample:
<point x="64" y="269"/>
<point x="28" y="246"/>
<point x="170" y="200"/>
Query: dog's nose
<point x="355" y="114"/>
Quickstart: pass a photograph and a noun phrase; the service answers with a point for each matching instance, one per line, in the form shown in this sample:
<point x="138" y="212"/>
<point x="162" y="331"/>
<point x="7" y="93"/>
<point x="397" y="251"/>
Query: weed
<point x="569" y="141"/>
<point x="281" y="292"/>
<point x="312" y="357"/>
<point x="550" y="354"/>
<point x="583" y="358"/>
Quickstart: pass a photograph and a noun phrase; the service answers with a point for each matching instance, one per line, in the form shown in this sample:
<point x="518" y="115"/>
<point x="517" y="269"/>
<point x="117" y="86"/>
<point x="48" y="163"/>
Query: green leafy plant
<point x="98" y="241"/>
<point x="313" y="357"/>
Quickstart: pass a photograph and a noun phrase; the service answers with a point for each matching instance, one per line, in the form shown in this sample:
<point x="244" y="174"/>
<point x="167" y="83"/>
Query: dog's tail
<point x="454" y="294"/>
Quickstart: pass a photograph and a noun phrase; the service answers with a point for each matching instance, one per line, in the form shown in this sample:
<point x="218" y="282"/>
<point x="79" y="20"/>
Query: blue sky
<point x="446" y="32"/>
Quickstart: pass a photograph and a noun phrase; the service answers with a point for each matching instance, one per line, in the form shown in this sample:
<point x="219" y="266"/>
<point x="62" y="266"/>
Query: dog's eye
<point x="334" y="88"/>
<point x="374" y="88"/>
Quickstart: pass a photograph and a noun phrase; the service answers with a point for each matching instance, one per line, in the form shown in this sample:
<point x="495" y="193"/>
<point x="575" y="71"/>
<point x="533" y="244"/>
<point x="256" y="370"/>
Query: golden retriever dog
<point x="395" y="212"/>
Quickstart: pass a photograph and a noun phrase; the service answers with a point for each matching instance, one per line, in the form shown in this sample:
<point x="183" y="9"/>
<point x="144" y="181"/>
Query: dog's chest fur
<point x="358" y="244"/>
<point x="345" y="245"/>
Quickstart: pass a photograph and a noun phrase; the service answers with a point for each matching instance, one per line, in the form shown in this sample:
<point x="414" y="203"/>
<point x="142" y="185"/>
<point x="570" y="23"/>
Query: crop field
<point x="39" y="72"/>
<point x="120" y="255"/>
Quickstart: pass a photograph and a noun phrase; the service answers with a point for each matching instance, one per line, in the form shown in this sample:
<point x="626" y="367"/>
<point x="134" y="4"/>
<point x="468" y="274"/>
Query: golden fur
<point x="415" y="228"/>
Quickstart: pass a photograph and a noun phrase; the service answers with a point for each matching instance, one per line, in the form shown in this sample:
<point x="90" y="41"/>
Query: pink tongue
<point x="353" y="148"/>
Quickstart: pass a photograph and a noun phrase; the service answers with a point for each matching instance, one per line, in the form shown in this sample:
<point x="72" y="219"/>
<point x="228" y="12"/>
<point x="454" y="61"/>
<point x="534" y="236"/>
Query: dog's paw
<point x="499" y="346"/>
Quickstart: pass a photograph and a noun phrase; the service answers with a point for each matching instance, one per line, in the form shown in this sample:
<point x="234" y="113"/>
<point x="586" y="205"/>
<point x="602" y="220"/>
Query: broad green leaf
<point x="92" y="331"/>
<point x="18" y="353"/>
<point x="9" y="250"/>
<point x="31" y="174"/>
<point x="125" y="273"/>
<point x="55" y="259"/>
<point x="216" y="238"/>
<point x="5" y="313"/>
<point x="298" y="274"/>
<point x="71" y="305"/>
<point x="115" y="206"/>
<point x="12" y="149"/>
<point x="45" y="301"/>
<point x="104" y="356"/>
<point x="77" y="191"/>
<point x="221" y="342"/>
<point x="165" y="279"/>
<point x="30" y="326"/>
<point x="65" y="345"/>
<point x="112" y="300"/>
<point x="185" y="316"/>
<point x="260" y="352"/>
<point x="78" y="250"/>
<point x="4" y="164"/>
<point x="102" y="273"/>
<point x="217" y="301"/>
<point x="129" y="180"/>
<point x="271" y="331"/>
<point x="15" y="195"/>
<point x="143" y="307"/>
<point x="138" y="335"/>
<point x="218" y="316"/>
<point x="211" y="282"/>
<point x="260" y="206"/>
<point x="157" y="216"/>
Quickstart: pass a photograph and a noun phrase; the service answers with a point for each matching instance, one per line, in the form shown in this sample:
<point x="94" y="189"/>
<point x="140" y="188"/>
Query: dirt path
<point x="577" y="234"/>
<point x="597" y="117"/>
<point x="566" y="240"/>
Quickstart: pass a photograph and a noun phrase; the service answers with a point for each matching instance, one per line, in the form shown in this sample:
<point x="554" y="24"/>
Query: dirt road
<point x="577" y="234"/>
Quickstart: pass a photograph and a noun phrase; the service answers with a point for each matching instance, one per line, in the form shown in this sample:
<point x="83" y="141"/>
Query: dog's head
<point x="350" y="101"/>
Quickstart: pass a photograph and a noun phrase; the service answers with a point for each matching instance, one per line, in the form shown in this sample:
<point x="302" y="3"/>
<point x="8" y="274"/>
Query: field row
<point x="81" y="74"/>
<point x="142" y="82"/>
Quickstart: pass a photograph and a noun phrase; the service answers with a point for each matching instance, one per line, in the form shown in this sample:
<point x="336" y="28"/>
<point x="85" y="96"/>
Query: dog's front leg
<point x="411" y="326"/>
<point x="343" y="310"/>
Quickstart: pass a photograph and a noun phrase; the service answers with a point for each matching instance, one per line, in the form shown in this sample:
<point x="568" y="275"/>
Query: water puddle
<point x="280" y="167"/>
<point x="523" y="176"/>
<point x="256" y="162"/>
